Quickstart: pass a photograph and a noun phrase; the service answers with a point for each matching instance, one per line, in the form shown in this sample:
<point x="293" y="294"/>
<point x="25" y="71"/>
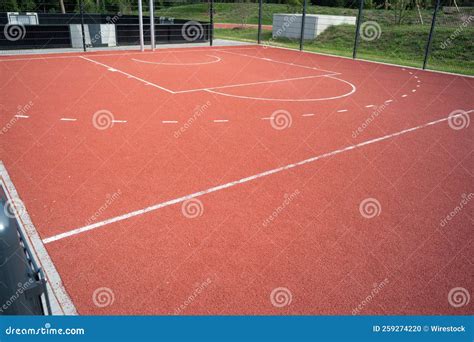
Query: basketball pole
<point x="140" y="24"/>
<point x="152" y="26"/>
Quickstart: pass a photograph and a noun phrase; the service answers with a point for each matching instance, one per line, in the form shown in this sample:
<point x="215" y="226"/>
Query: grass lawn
<point x="399" y="44"/>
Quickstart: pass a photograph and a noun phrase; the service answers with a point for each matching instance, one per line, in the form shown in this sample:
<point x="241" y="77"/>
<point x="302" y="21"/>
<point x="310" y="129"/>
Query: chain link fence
<point x="404" y="32"/>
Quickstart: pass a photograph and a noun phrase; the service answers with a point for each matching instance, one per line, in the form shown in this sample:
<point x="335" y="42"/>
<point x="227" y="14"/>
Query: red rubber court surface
<point x="244" y="180"/>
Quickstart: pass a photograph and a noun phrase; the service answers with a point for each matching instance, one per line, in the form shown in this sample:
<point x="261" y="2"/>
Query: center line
<point x="244" y="180"/>
<point x="309" y="114"/>
<point x="221" y="120"/>
<point x="68" y="119"/>
<point x="169" y="121"/>
<point x="22" y="116"/>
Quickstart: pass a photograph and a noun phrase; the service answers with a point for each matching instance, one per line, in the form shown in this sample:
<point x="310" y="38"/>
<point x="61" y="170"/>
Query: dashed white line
<point x="342" y="110"/>
<point x="309" y="114"/>
<point x="220" y="120"/>
<point x="413" y="90"/>
<point x="119" y="121"/>
<point x="269" y="118"/>
<point x="388" y="101"/>
<point x="368" y="106"/>
<point x="404" y="95"/>
<point x="242" y="181"/>
<point x="22" y="116"/>
<point x="68" y="119"/>
<point x="169" y="121"/>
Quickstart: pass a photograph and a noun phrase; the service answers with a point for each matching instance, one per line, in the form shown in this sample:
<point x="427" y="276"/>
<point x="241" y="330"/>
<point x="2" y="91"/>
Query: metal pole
<point x="140" y="24"/>
<point x="211" y="21"/>
<point x="359" y="21"/>
<point x="430" y="38"/>
<point x="260" y="5"/>
<point x="152" y="26"/>
<point x="302" y="25"/>
<point x="81" y="8"/>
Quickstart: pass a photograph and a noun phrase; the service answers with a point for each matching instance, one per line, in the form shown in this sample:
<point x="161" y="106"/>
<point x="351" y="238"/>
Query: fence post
<point x="359" y="20"/>
<point x="211" y="22"/>
<point x="81" y="9"/>
<point x="260" y="5"/>
<point x="430" y="38"/>
<point x="152" y="26"/>
<point x="302" y="25"/>
<point x="140" y="25"/>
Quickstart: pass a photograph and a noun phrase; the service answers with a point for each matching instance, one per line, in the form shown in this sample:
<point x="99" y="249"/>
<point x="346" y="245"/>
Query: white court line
<point x="370" y="105"/>
<point x="342" y="110"/>
<point x="119" y="121"/>
<point x="404" y="95"/>
<point x="68" y="119"/>
<point x="388" y="101"/>
<point x="216" y="60"/>
<point x="22" y="116"/>
<point x="353" y="89"/>
<point x="253" y="83"/>
<point x="269" y="118"/>
<point x="58" y="296"/>
<point x="413" y="90"/>
<point x="129" y="75"/>
<point x="241" y="181"/>
<point x="281" y="62"/>
<point x="130" y="53"/>
<point x="169" y="121"/>
<point x="309" y="114"/>
<point x="219" y="120"/>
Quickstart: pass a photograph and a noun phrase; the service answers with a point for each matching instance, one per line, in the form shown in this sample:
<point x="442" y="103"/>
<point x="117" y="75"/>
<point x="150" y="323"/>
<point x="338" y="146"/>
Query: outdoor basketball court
<point x="240" y="180"/>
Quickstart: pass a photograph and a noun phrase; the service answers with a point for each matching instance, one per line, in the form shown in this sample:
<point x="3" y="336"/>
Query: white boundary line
<point x="280" y="62"/>
<point x="240" y="181"/>
<point x="130" y="53"/>
<point x="253" y="83"/>
<point x="238" y="85"/>
<point x="129" y="75"/>
<point x="58" y="294"/>
<point x="236" y="47"/>
<point x="210" y="90"/>
<point x="217" y="59"/>
<point x="369" y="61"/>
